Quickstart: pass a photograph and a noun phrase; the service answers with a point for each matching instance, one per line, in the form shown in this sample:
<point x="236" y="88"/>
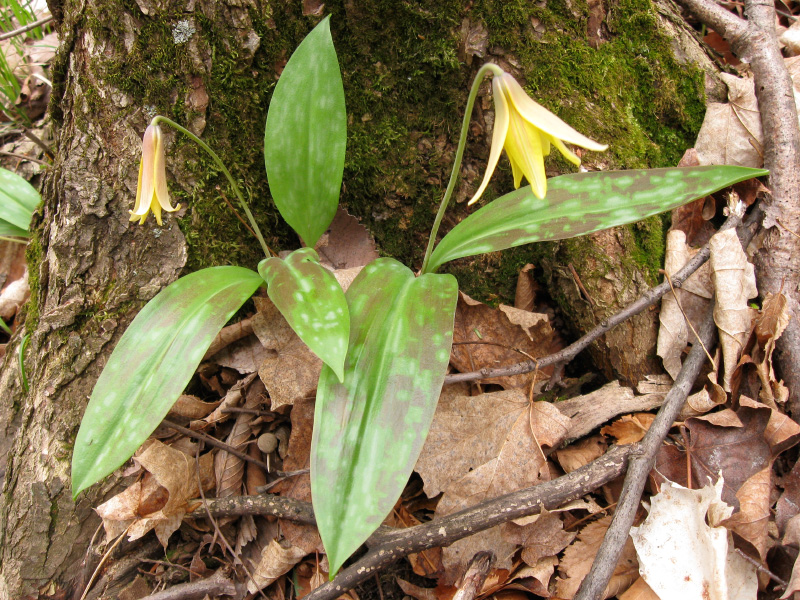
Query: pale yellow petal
<point x="524" y="147"/>
<point x="566" y="152"/>
<point x="498" y="135"/>
<point x="160" y="176"/>
<point x="538" y="116"/>
<point x="146" y="187"/>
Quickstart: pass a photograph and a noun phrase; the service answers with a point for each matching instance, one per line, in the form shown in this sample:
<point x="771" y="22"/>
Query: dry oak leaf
<point x="191" y="407"/>
<point x="543" y="538"/>
<point x="579" y="556"/>
<point x="639" y="591"/>
<point x="291" y="371"/>
<point x="496" y="333"/>
<point x="175" y="474"/>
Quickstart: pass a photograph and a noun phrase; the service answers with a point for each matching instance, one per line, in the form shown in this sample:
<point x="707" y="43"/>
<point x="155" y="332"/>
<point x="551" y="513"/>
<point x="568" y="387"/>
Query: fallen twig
<point x="475" y="576"/>
<point x="216" y="585"/>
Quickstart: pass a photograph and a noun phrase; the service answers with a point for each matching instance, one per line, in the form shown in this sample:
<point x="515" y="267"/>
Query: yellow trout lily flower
<point x="151" y="192"/>
<point x="526" y="130"/>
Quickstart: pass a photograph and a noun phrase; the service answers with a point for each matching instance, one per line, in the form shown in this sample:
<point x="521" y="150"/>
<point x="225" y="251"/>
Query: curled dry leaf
<point x="731" y="133"/>
<point x="276" y="559"/>
<point x="233" y="399"/>
<point x="229" y="469"/>
<point x="191" y="407"/>
<point x="581" y="453"/>
<point x="142" y="506"/>
<point x="694" y="296"/>
<point x="735" y="283"/>
<point x="697" y="559"/>
<point x="579" y="556"/>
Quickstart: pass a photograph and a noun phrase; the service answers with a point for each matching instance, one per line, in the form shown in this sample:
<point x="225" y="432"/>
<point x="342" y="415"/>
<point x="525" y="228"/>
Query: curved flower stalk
<point x="151" y="191"/>
<point x="526" y="130"/>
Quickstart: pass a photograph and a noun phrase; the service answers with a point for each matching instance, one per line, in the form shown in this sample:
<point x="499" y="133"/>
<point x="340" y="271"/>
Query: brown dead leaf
<point x="543" y="538"/>
<point x="525" y="294"/>
<point x="191" y="407"/>
<point x="291" y="371"/>
<point x="299" y="487"/>
<point x="244" y="355"/>
<point x="694" y="296"/>
<point x="788" y="505"/>
<point x="581" y="453"/>
<point x="469" y="432"/>
<point x="309" y="578"/>
<point x="503" y="337"/>
<point x="751" y="521"/>
<point x="276" y="559"/>
<point x="171" y="470"/>
<point x="629" y="429"/>
<point x="229" y="469"/>
<point x="347" y="243"/>
<point x="578" y="558"/>
<point x="229" y="335"/>
<point x="639" y="591"/>
<point x="535" y="578"/>
<point x="731" y="133"/>
<point x="735" y="283"/>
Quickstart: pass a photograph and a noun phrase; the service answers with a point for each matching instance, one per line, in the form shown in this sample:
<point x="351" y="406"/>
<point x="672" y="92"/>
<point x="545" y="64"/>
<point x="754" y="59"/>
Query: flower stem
<point x="234" y="185"/>
<point x="462" y="142"/>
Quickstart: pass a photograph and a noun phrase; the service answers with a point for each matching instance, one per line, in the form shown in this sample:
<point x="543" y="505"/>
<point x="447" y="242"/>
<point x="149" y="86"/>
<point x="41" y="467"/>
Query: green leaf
<point x="306" y="135"/>
<point x="581" y="203"/>
<point x="18" y="200"/>
<point x="9" y="230"/>
<point x="312" y="302"/>
<point x="151" y="365"/>
<point x="369" y="430"/>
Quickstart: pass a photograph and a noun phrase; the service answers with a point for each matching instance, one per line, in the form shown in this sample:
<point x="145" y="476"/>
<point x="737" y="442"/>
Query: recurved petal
<point x="538" y="116"/>
<point x="501" y="119"/>
<point x="566" y="152"/>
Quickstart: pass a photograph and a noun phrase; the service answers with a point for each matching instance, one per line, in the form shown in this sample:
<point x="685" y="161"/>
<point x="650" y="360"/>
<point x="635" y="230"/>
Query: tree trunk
<point x="210" y="65"/>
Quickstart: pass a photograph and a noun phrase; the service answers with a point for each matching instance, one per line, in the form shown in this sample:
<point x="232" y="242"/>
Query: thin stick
<point x="214" y="442"/>
<point x="26" y="28"/>
<point x="475" y="576"/>
<point x="103" y="561"/>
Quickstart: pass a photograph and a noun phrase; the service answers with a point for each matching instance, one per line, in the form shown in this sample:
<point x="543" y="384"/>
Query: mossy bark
<point x="607" y="68"/>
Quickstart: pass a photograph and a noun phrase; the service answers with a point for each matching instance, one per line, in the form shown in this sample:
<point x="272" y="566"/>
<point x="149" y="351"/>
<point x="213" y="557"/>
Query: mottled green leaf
<point x="18" y="200"/>
<point x="312" y="302"/>
<point x="151" y="365"/>
<point x="581" y="203"/>
<point x="306" y="135"/>
<point x="369" y="430"/>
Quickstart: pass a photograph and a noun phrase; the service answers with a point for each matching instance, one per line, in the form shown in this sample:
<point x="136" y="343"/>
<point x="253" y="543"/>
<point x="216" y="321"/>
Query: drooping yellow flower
<point x="526" y="130"/>
<point x="151" y="192"/>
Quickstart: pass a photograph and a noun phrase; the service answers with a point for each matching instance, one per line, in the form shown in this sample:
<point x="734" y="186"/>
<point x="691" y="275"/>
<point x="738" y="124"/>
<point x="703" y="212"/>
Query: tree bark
<point x="212" y="66"/>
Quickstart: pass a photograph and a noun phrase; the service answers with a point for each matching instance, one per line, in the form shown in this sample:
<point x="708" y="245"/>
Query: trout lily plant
<point x="385" y="343"/>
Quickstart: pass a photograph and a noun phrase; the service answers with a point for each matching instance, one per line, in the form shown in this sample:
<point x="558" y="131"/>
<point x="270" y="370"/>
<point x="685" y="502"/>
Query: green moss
<point x="405" y="92"/>
<point x="33" y="258"/>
